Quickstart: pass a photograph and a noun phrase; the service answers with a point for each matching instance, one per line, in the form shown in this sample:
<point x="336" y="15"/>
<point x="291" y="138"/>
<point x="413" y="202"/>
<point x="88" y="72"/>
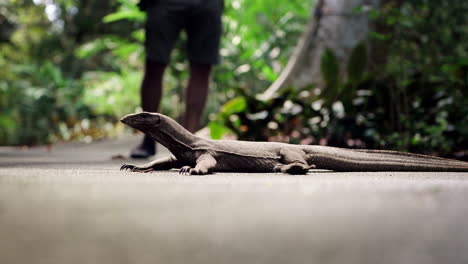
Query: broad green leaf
<point x="269" y="74"/>
<point x="217" y="130"/>
<point x="235" y="105"/>
<point x="126" y="49"/>
<point x="126" y="14"/>
<point x="139" y="35"/>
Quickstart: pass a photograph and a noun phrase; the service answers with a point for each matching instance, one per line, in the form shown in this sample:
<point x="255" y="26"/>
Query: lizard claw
<point x="134" y="168"/>
<point x="185" y="170"/>
<point x="296" y="168"/>
<point x="293" y="168"/>
<point x="127" y="167"/>
<point x="198" y="172"/>
<point x="277" y="168"/>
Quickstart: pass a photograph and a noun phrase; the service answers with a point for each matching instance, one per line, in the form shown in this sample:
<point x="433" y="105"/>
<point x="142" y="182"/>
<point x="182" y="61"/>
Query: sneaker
<point x="145" y="149"/>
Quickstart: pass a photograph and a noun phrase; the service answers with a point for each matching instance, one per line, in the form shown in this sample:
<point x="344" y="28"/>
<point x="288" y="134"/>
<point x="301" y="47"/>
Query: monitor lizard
<point x="198" y="156"/>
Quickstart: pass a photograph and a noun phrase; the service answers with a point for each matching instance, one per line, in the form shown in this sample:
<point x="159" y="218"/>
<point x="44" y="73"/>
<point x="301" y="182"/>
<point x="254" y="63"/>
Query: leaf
<point x="330" y="69"/>
<point x="139" y="35"/>
<point x="236" y="105"/>
<point x="52" y="73"/>
<point x="379" y="36"/>
<point x="126" y="49"/>
<point x="90" y="48"/>
<point x="134" y="15"/>
<point x="217" y="130"/>
<point x="269" y="74"/>
<point x="357" y="63"/>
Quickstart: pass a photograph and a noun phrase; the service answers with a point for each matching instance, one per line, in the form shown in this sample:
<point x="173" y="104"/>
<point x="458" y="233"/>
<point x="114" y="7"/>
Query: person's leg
<point x="204" y="31"/>
<point x="151" y="93"/>
<point x="165" y="20"/>
<point x="197" y="92"/>
<point x="151" y="86"/>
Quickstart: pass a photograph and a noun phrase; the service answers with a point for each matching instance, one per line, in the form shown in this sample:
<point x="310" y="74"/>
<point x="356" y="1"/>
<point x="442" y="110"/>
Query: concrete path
<point x="73" y="205"/>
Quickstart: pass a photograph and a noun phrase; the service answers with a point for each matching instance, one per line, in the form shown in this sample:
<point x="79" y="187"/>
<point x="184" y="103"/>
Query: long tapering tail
<point x="339" y="159"/>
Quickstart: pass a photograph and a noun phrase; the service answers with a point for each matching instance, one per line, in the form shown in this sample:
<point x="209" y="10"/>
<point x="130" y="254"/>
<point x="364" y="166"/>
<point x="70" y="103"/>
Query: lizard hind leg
<point x="297" y="168"/>
<point x="204" y="165"/>
<point x="294" y="162"/>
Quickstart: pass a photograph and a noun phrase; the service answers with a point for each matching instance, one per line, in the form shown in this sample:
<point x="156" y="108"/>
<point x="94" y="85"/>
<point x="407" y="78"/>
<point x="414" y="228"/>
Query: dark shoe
<point x="146" y="149"/>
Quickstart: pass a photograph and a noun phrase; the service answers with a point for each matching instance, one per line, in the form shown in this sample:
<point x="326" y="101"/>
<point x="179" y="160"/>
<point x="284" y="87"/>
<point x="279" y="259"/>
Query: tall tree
<point x="334" y="24"/>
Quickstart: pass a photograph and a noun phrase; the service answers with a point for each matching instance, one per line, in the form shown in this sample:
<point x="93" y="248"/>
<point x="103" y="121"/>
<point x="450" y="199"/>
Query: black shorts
<point x="201" y="19"/>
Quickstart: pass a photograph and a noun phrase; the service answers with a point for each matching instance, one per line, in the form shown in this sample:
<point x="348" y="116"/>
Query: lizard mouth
<point x="127" y="119"/>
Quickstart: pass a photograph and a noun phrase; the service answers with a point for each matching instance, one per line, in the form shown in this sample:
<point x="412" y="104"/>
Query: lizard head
<point x="160" y="128"/>
<point x="142" y="121"/>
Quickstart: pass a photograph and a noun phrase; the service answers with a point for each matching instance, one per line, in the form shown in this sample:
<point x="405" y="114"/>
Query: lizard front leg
<point x="158" y="164"/>
<point x="204" y="165"/>
<point x="294" y="162"/>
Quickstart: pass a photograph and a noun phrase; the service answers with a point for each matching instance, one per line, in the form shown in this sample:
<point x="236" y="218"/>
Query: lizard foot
<point x="127" y="167"/>
<point x="185" y="170"/>
<point x="188" y="170"/>
<point x="134" y="168"/>
<point x="295" y="168"/>
<point x="198" y="171"/>
<point x="278" y="167"/>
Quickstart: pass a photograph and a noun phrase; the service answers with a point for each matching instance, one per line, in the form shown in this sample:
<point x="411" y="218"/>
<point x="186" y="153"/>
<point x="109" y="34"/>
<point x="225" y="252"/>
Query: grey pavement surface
<point x="72" y="205"/>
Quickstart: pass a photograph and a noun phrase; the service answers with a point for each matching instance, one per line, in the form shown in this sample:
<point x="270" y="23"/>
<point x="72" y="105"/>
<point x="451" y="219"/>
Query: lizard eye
<point x="145" y="115"/>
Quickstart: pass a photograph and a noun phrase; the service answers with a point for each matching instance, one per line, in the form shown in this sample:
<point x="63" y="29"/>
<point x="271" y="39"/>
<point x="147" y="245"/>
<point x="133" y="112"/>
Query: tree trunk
<point x="335" y="24"/>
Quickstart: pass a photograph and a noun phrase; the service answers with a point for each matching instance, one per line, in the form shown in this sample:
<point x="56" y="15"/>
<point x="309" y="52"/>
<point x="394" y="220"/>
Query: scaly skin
<point x="197" y="156"/>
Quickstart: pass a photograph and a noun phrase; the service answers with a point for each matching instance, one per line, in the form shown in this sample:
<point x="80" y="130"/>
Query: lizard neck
<point x="174" y="137"/>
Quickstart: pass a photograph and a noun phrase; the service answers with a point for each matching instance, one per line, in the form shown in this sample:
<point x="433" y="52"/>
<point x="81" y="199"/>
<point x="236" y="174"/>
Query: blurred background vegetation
<point x="71" y="69"/>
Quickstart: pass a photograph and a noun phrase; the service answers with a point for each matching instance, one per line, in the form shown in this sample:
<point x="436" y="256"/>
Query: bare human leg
<point x="151" y="93"/>
<point x="196" y="94"/>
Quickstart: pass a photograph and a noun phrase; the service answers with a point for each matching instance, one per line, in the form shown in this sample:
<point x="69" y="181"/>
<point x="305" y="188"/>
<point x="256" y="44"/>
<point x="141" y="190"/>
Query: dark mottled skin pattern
<point x="195" y="155"/>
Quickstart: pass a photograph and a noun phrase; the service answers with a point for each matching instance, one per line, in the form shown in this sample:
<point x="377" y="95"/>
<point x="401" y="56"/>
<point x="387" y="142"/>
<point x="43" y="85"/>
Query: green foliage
<point x="74" y="75"/>
<point x="257" y="41"/>
<point x="127" y="11"/>
<point x="41" y="107"/>
<point x="110" y="89"/>
<point x="232" y="107"/>
<point x="40" y="90"/>
<point x="99" y="45"/>
<point x="427" y="64"/>
<point x="330" y="68"/>
<point x="258" y="38"/>
<point x="415" y="100"/>
<point x="253" y="119"/>
<point x="334" y="117"/>
<point x="357" y="63"/>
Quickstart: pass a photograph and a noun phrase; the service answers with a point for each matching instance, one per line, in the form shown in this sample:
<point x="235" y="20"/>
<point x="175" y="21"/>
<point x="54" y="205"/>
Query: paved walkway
<point x="73" y="205"/>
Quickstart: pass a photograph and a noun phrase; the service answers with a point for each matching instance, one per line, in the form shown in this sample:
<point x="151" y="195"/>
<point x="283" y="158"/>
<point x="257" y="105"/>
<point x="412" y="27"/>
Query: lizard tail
<point x="338" y="159"/>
